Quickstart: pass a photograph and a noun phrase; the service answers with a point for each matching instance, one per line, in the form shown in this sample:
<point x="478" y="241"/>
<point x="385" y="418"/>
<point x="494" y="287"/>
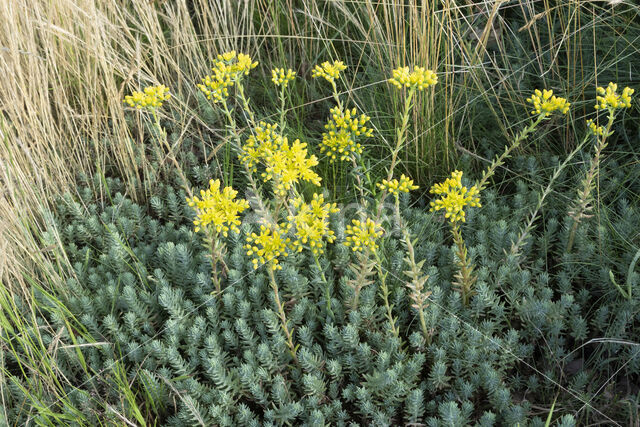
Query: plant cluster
<point x="283" y="307"/>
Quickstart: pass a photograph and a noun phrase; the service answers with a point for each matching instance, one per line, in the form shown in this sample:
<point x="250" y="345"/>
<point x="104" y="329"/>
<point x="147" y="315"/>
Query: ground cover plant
<point x="283" y="308"/>
<point x="344" y="242"/>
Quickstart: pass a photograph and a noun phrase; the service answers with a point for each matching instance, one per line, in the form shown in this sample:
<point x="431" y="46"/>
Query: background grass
<point x="67" y="64"/>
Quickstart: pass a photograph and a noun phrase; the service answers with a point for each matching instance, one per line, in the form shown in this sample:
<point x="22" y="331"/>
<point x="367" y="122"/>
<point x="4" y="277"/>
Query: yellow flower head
<point x="396" y="187"/>
<point x="216" y="86"/>
<point x="455" y="197"/>
<point x="227" y="70"/>
<point x="609" y="99"/>
<point x="151" y="98"/>
<point x="362" y="236"/>
<point x="545" y="103"/>
<point x="280" y="77"/>
<point x="343" y="129"/>
<point x="244" y="64"/>
<point x="420" y="78"/>
<point x="288" y="165"/>
<point x="217" y="209"/>
<point x="264" y="141"/>
<point x="312" y="223"/>
<point x="595" y="129"/>
<point x="330" y="71"/>
<point x="269" y="245"/>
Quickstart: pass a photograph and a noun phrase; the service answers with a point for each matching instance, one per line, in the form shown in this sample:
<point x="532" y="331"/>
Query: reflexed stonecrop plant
<point x="298" y="311"/>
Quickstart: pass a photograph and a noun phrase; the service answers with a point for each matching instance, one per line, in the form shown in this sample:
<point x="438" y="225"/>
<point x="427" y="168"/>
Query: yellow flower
<point x="420" y="78"/>
<point x="244" y="64"/>
<point x="269" y="245"/>
<point x="343" y="128"/>
<point x="280" y="77"/>
<point x="290" y="164"/>
<point x="330" y="71"/>
<point x="312" y="223"/>
<point x="217" y="208"/>
<point x="595" y="129"/>
<point x="264" y="141"/>
<point x="609" y="99"/>
<point x="396" y="187"/>
<point x="150" y="99"/>
<point x="455" y="197"/>
<point x="362" y="235"/>
<point x="545" y="103"/>
<point x="227" y="70"/>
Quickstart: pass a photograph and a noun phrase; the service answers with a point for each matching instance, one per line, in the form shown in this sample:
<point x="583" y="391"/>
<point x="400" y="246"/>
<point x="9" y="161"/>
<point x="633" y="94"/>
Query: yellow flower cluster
<point x="217" y="208"/>
<point x="151" y="98"/>
<point x="362" y="235"/>
<point x="595" y="129"/>
<point x="264" y="141"/>
<point x="280" y="77"/>
<point x="289" y="164"/>
<point x="420" y="78"/>
<point x="342" y="130"/>
<point x="609" y="99"/>
<point x="396" y="187"/>
<point x="312" y="223"/>
<point x="285" y="163"/>
<point x="227" y="69"/>
<point x="545" y="103"/>
<point x="330" y="71"/>
<point x="269" y="245"/>
<point x="455" y="197"/>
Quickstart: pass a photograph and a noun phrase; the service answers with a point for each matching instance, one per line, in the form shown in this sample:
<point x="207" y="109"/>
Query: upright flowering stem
<point x="216" y="256"/>
<point x="150" y="100"/>
<point x="465" y="277"/>
<point x="362" y="237"/>
<point x="281" y="314"/>
<point x="343" y="130"/>
<point x="384" y="292"/>
<point x="401" y="136"/>
<point x="417" y="80"/>
<point x="545" y="103"/>
<point x="163" y="138"/>
<point x="217" y="212"/>
<point x="248" y="174"/>
<point x="416" y="287"/>
<point x="499" y="160"/>
<point x="609" y="100"/>
<point x="283" y="103"/>
<point x="454" y="198"/>
<point x="327" y="286"/>
<point x="245" y="105"/>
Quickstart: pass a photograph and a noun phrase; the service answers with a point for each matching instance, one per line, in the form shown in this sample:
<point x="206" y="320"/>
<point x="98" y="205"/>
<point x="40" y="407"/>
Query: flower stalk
<point x="284" y="324"/>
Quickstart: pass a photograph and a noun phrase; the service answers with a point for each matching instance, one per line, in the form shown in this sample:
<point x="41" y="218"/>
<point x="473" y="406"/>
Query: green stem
<point x="245" y="105"/>
<point x="465" y="277"/>
<point x="592" y="173"/>
<point x="248" y="173"/>
<point x="499" y="161"/>
<point x="417" y="294"/>
<point x="359" y="185"/>
<point x="282" y="106"/>
<point x="214" y="263"/>
<point x="335" y="94"/>
<point x="401" y="137"/>
<point x="163" y="139"/>
<point x="326" y="284"/>
<point x="402" y="132"/>
<point x="281" y="314"/>
<point x="385" y="296"/>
